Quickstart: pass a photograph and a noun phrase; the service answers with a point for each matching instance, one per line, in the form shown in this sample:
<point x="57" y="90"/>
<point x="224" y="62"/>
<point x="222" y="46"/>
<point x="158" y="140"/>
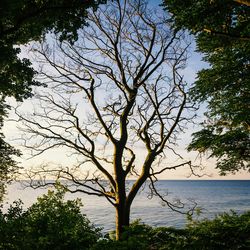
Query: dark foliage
<point x="222" y="31"/>
<point x="226" y="232"/>
<point x="22" y="21"/>
<point x="50" y="223"/>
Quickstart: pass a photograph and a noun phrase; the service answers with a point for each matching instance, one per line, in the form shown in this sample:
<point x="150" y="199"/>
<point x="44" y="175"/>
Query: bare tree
<point x="116" y="91"/>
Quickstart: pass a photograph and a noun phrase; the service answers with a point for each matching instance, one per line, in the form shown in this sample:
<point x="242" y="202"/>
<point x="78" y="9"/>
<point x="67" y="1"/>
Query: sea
<point x="212" y="197"/>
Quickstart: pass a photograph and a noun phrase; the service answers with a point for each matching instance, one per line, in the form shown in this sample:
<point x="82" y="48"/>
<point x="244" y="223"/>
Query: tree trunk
<point x="122" y="218"/>
<point x="245" y="2"/>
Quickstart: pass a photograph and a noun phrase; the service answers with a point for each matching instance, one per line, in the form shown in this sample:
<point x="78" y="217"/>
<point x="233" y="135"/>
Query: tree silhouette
<point x="114" y="97"/>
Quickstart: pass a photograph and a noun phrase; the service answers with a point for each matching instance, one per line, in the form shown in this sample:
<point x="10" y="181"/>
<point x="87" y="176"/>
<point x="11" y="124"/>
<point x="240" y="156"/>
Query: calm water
<point x="212" y="196"/>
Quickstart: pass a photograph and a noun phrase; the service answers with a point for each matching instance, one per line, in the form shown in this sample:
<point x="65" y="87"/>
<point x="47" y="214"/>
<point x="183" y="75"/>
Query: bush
<point x="50" y="223"/>
<point x="12" y="227"/>
<point x="135" y="237"/>
<point x="228" y="231"/>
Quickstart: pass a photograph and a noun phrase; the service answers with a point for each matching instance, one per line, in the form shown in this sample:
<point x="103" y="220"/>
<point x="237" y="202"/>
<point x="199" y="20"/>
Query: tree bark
<point x="122" y="218"/>
<point x="244" y="2"/>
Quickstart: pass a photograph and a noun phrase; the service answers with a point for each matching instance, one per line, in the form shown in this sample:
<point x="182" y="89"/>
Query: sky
<point x="194" y="64"/>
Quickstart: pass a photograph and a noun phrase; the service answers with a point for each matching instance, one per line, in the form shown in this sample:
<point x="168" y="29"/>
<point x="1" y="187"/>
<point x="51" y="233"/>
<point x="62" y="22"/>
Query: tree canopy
<point x="22" y="21"/>
<point x="222" y="31"/>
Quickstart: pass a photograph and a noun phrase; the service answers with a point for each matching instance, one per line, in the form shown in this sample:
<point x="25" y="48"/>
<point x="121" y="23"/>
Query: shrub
<point x="50" y="223"/>
<point x="135" y="237"/>
<point x="12" y="227"/>
<point x="228" y="231"/>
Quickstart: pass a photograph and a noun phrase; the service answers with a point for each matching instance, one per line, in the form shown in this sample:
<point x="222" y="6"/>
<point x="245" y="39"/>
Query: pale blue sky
<point x="194" y="64"/>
